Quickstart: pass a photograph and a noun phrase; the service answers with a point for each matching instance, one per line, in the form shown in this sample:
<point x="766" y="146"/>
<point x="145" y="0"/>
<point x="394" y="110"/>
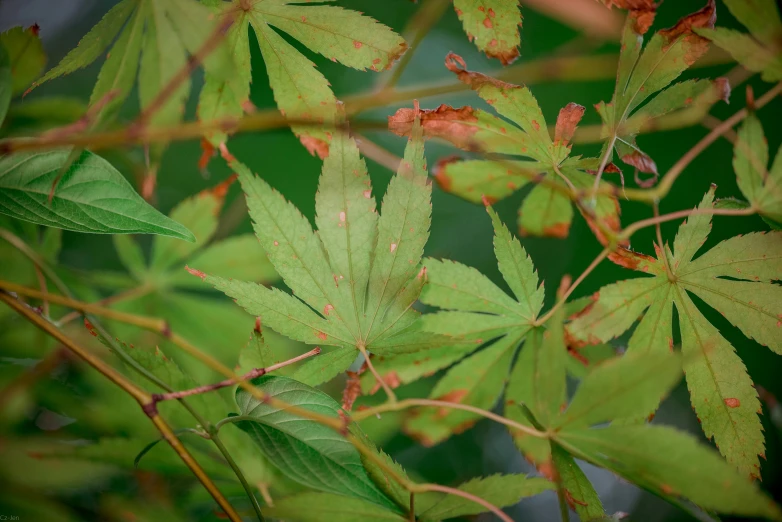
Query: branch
<point x="258" y="372"/>
<point x="142" y="397"/>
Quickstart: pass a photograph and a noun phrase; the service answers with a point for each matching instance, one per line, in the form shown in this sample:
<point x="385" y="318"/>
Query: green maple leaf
<point x="759" y="50"/>
<point x="493" y="25"/>
<point x="722" y="392"/>
<point x="761" y="186"/>
<point x="545" y="211"/>
<point x="354" y="281"/>
<point x="477" y="311"/>
<point x="300" y="90"/>
<point x="151" y="41"/>
<point x="641" y="74"/>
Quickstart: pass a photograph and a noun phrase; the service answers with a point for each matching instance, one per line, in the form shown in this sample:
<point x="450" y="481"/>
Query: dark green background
<point x="461" y="231"/>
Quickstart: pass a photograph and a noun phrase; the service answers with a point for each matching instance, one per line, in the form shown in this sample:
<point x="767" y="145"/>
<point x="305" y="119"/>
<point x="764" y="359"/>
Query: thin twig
<point x="386" y="388"/>
<point x="133" y="293"/>
<point x="638" y="225"/>
<point x="257" y="372"/>
<point x="421" y="488"/>
<point x="142" y="397"/>
<point x="194" y="60"/>
<point x="414" y="33"/>
<point x="44" y="290"/>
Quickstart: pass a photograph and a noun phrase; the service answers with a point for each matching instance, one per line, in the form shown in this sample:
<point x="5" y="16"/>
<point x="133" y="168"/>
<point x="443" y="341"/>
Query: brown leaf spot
<point x="567" y="121"/>
<point x="488" y="200"/>
<point x="196" y="273"/>
<point x="629" y="258"/>
<point x="695" y="46"/>
<point x="315" y="146"/>
<point x="443" y="122"/>
<point x="487" y="23"/>
<point x="454" y="396"/>
<point x="90" y="328"/>
<point x="257" y="327"/>
<point x="457" y="65"/>
<point x="732" y="402"/>
<point x="207" y="153"/>
<point x="357" y="44"/>
<point x="322" y="336"/>
<point x="557" y="230"/>
<point x="352" y="390"/>
<point x="640" y="161"/>
<point x="391" y="379"/>
<point x="393" y="247"/>
<point x="328" y="308"/>
<point x="665" y="488"/>
<point x="572" y="501"/>
<point x="442" y="178"/>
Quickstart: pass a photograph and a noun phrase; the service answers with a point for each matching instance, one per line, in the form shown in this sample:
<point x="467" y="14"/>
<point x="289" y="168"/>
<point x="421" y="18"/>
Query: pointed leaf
<point x="475" y="179"/>
<point x="326" y="366"/>
<point x="670" y="462"/>
<point x="545" y="212"/>
<point x="93" y="43"/>
<point x="477" y="381"/>
<point x="763" y="188"/>
<point x="92" y="196"/>
<point x="722" y="393"/>
<point x="305" y="451"/>
<point x="579" y="492"/>
<point x="626" y="386"/>
<point x="494" y="25"/>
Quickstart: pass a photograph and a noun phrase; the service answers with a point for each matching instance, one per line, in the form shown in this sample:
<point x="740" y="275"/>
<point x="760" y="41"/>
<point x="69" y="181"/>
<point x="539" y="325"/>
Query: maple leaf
<point x="300" y="90"/>
<point x="355" y="280"/>
<point x="761" y="186"/>
<point x="493" y="25"/>
<point x="721" y="391"/>
<point x="153" y="40"/>
<point x="158" y="285"/>
<point x="641" y="74"/>
<point x="759" y="50"/>
<point x="478" y="311"/>
<point x="546" y="211"/>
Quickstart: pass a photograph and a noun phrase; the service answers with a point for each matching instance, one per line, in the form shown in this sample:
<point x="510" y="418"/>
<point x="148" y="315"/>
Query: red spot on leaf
<point x="732" y="402"/>
<point x="487" y="23"/>
<point x="322" y="336"/>
<point x="196" y="273"/>
<point x="90" y="327"/>
<point x="315" y="146"/>
<point x="328" y="308"/>
<point x="357" y="44"/>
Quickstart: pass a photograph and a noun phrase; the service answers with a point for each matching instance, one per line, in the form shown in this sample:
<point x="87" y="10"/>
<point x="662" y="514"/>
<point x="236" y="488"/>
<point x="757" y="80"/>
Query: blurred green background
<point x="460" y="231"/>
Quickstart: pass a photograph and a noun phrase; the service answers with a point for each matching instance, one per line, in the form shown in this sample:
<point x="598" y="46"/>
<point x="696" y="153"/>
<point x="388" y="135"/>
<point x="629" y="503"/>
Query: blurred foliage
<point x="54" y="408"/>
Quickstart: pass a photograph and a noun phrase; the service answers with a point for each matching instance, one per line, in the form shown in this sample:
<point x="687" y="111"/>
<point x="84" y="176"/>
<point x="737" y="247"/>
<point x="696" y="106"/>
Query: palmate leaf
<point x="478" y="311"/>
<point x="91" y="196"/>
<point x="721" y="391"/>
<point x="300" y="90"/>
<point x="642" y="73"/>
<point x="762" y="187"/>
<point x="758" y="51"/>
<point x="151" y="40"/>
<point x="547" y="210"/>
<point x="493" y="25"/>
<point x="355" y="280"/>
<point x="305" y="451"/>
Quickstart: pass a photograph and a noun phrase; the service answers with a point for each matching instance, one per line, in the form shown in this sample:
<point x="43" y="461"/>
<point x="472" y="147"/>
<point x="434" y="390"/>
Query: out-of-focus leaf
<point x="670" y="463"/>
<point x="327" y="507"/>
<point x="758" y="51"/>
<point x="493" y="25"/>
<point x="92" y="196"/>
<point x="304" y="450"/>
<point x="722" y="392"/>
<point x="499" y="490"/>
<point x="762" y="187"/>
<point x="26" y="56"/>
<point x="5" y="82"/>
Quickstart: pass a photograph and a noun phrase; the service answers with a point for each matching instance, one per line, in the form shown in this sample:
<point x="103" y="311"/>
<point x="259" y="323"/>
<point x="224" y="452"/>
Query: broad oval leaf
<point x="91" y="196"/>
<point x="323" y="507"/>
<point x="303" y="450"/>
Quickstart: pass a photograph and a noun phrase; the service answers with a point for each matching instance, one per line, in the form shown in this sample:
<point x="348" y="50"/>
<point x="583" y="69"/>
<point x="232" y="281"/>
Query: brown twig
<point x="258" y="372"/>
<point x="143" y="398"/>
